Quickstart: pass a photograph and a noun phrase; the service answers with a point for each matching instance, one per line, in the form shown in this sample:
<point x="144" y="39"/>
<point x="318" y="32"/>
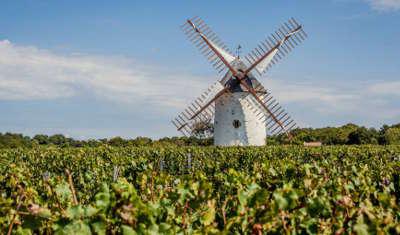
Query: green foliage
<point x="9" y="140"/>
<point x="347" y="134"/>
<point x="203" y="129"/>
<point x="208" y="190"/>
<point x="363" y="136"/>
<point x="392" y="135"/>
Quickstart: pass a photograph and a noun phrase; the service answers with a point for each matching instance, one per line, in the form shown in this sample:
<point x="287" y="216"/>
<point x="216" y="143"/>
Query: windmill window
<point x="236" y="123"/>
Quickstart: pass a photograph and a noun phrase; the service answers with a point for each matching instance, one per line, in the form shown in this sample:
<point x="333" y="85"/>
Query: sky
<point x="98" y="69"/>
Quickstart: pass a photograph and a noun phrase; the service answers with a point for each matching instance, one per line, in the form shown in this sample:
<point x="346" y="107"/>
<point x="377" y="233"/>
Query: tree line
<point x="348" y="134"/>
<point x="12" y="140"/>
<point x="344" y="135"/>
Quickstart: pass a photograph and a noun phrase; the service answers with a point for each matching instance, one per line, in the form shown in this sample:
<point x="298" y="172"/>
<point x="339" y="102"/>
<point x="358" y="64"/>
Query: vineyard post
<point x="71" y="187"/>
<point x="115" y="173"/>
<point x="161" y="167"/>
<point x="189" y="161"/>
<point x="21" y="198"/>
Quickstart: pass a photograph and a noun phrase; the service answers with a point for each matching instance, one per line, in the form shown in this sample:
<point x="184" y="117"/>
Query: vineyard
<point x="200" y="190"/>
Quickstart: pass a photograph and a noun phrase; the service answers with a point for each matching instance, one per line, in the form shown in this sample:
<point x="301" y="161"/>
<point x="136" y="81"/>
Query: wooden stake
<point x="21" y="198"/>
<point x="71" y="187"/>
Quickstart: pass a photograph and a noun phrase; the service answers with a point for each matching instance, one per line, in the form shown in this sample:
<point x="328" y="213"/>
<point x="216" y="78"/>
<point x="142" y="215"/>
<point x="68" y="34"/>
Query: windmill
<point x="243" y="111"/>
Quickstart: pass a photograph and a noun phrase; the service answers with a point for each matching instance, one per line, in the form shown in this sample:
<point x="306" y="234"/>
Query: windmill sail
<point x="266" y="61"/>
<point x="228" y="57"/>
<point x="185" y="123"/>
<point x="208" y="43"/>
<point x="275" y="47"/>
<point x="281" y="123"/>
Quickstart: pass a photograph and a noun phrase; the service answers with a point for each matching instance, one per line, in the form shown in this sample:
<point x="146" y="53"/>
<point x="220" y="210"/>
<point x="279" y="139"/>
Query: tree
<point x="342" y="135"/>
<point x="59" y="140"/>
<point x="396" y="125"/>
<point x="41" y="139"/>
<point x="10" y="140"/>
<point x="117" y="141"/>
<point x="141" y="141"/>
<point x="203" y="129"/>
<point x="363" y="136"/>
<point x="392" y="136"/>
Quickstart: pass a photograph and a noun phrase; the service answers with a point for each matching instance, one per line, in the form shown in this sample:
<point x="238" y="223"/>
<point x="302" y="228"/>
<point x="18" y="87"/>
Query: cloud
<point x="386" y="88"/>
<point x="384" y="5"/>
<point x="369" y="103"/>
<point x="30" y="73"/>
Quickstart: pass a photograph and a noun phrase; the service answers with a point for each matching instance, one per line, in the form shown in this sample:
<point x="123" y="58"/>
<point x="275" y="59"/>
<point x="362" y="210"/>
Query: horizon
<point x="100" y="70"/>
<point x="179" y="136"/>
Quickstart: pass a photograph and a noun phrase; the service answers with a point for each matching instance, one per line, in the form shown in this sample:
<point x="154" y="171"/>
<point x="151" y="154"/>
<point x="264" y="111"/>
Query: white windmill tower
<point x="242" y="109"/>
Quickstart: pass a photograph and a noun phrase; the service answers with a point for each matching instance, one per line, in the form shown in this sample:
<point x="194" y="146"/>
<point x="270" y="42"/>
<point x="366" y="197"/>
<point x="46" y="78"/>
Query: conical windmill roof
<point x="238" y="65"/>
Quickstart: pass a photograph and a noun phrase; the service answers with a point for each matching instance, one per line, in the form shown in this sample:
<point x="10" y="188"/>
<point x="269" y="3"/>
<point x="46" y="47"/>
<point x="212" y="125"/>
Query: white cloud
<point x="29" y="73"/>
<point x="386" y="88"/>
<point x="385" y="5"/>
<point x="370" y="102"/>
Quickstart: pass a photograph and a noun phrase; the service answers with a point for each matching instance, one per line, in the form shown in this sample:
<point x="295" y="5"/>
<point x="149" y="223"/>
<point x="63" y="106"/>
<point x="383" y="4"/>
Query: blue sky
<point x="106" y="68"/>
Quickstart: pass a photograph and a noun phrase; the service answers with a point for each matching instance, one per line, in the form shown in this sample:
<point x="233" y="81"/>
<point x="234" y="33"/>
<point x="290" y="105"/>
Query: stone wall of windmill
<point x="236" y="123"/>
